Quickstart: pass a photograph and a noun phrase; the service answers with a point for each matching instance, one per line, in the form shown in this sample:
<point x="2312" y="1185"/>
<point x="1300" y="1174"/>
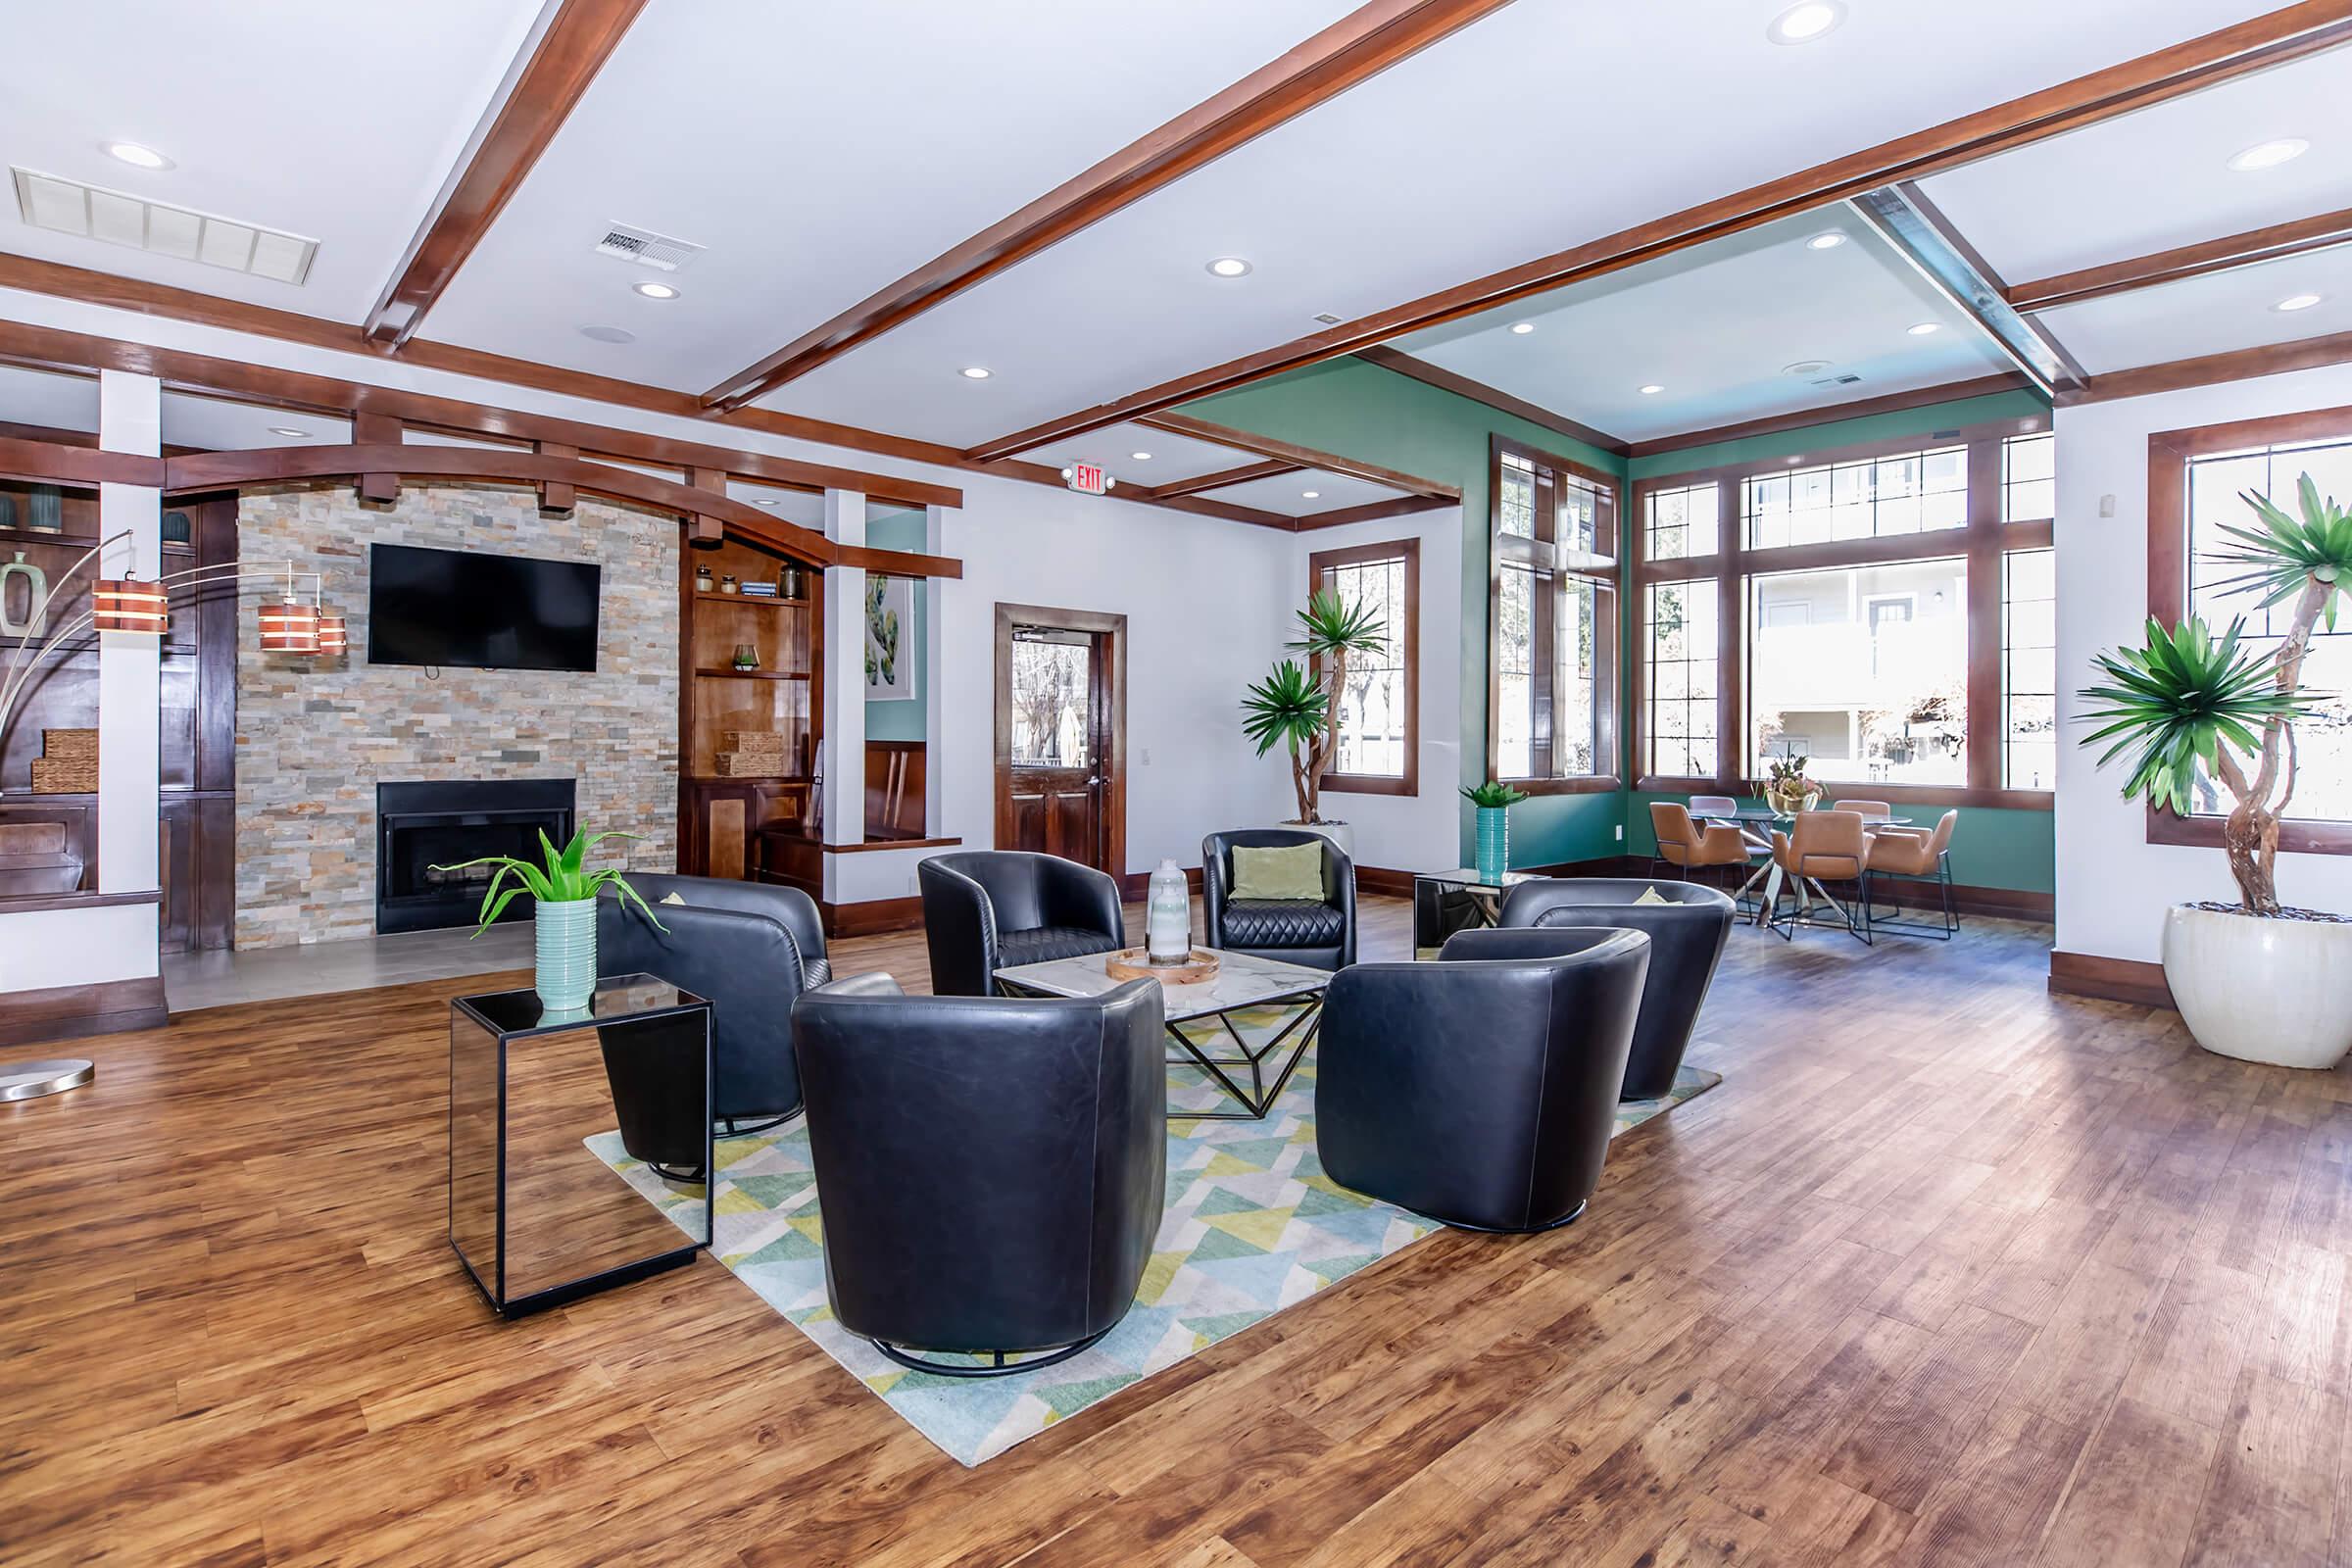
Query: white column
<point x="935" y="621"/>
<point x="844" y="680"/>
<point x="129" y="665"/>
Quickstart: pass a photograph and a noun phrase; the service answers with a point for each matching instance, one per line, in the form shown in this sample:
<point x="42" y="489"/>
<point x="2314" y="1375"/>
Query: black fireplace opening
<point x="424" y="825"/>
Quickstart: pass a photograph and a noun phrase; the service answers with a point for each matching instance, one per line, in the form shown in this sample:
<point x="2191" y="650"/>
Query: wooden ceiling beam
<point x="1359" y="46"/>
<point x="1832" y="413"/>
<point x="1269" y="468"/>
<point x="2211" y="370"/>
<point x="2271" y="39"/>
<point x="535" y="100"/>
<point x="2272" y="243"/>
<point x="1371" y="511"/>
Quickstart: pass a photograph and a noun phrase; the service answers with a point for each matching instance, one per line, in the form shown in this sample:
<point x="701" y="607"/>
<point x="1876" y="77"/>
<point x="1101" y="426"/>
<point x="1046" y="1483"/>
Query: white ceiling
<point x="2159" y="178"/>
<point x="820" y="151"/>
<point x="338" y="122"/>
<point x="1433" y="173"/>
<point x="1286" y="494"/>
<point x="1715" y="325"/>
<point x="2209" y="315"/>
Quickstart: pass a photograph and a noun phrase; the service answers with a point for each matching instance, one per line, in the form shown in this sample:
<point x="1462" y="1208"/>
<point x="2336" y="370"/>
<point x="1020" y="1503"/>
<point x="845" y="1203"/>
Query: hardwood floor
<point x="1947" y="1271"/>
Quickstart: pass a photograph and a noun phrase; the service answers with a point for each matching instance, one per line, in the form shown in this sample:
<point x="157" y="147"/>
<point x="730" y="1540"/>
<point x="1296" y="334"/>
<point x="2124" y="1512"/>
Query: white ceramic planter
<point x="1339" y="833"/>
<point x="2277" y="992"/>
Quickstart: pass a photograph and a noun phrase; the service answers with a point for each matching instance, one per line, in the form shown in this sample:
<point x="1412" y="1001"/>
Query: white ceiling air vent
<point x="1846" y="379"/>
<point x="92" y="212"/>
<point x="1327" y="318"/>
<point x="647" y="248"/>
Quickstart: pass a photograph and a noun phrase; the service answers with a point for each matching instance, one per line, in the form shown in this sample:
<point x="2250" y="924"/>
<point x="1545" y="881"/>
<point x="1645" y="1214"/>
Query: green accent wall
<point x="907" y="719"/>
<point x="1360" y="410"/>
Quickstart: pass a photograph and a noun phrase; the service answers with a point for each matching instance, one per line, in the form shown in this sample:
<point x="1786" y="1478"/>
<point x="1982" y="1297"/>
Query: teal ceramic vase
<point x="1493" y="842"/>
<point x="566" y="933"/>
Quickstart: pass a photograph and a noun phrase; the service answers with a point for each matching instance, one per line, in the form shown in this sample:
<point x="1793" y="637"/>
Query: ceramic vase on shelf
<point x="1493" y="842"/>
<point x="566" y="937"/>
<point x="1168" y="916"/>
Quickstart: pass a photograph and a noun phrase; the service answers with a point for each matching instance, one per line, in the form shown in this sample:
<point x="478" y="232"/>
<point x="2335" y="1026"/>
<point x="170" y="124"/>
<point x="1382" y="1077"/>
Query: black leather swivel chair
<point x="751" y="949"/>
<point x="1480" y="1090"/>
<point x="1318" y="933"/>
<point x="991" y="910"/>
<point x="1687" y="934"/>
<point x="992" y="1170"/>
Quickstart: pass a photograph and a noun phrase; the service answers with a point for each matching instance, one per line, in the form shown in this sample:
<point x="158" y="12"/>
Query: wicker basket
<point x="64" y="775"/>
<point x="751" y="740"/>
<point x="747" y="764"/>
<point x="70" y="745"/>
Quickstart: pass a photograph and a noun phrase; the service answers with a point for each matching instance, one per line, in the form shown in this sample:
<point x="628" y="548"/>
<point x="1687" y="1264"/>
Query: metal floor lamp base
<point x="30" y="1080"/>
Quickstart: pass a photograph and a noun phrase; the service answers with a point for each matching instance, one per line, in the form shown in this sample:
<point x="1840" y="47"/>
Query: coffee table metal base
<point x="1258" y="1097"/>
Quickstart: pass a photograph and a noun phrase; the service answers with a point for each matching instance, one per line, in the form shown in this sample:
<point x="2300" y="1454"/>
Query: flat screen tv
<point x="468" y="610"/>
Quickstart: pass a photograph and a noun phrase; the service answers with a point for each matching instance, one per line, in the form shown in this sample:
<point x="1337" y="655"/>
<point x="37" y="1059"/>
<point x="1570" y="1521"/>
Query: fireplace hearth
<point x="422" y="825"/>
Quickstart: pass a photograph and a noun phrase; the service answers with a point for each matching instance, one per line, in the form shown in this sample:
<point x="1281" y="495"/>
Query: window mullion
<point x="1984" y="540"/>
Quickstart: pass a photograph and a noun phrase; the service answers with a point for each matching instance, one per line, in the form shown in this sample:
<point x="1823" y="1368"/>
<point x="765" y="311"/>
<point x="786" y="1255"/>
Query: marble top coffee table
<point x="1240" y="981"/>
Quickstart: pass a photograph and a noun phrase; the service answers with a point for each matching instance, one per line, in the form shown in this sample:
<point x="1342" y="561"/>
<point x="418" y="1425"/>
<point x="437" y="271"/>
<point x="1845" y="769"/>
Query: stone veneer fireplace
<point x="423" y="830"/>
<point x="318" y="738"/>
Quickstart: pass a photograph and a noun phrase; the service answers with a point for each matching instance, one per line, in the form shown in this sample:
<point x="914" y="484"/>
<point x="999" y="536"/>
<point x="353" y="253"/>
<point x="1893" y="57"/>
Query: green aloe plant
<point x="2184" y="698"/>
<point x="1493" y="793"/>
<point x="562" y="877"/>
<point x="1294" y="708"/>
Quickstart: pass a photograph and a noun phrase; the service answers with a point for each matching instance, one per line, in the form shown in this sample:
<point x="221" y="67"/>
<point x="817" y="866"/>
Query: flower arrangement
<point x="1786" y="787"/>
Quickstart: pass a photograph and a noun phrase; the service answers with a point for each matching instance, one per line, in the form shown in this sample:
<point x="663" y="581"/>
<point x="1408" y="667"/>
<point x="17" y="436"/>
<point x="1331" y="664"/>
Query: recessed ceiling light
<point x="138" y="157"/>
<point x="1141" y="457"/>
<point x="1309" y="495"/>
<point x="2269" y="154"/>
<point x="1653" y="390"/>
<point x="1229" y="266"/>
<point x="1793" y="461"/>
<point x="656" y="291"/>
<point x="609" y="335"/>
<point x="1806" y="22"/>
<point x="974" y="372"/>
<point x="1805" y="368"/>
<point x="1828" y="239"/>
<point x="2297" y="301"/>
<point x="287" y="430"/>
<point x="1523" y="328"/>
<point x="763" y="501"/>
<point x="1926" y="328"/>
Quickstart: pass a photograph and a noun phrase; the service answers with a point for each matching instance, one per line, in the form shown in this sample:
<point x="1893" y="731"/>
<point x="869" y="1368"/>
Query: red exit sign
<point x="1087" y="478"/>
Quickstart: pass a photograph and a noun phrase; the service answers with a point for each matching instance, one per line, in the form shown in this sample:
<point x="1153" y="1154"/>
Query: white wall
<point x="2113" y="885"/>
<point x="1406" y="832"/>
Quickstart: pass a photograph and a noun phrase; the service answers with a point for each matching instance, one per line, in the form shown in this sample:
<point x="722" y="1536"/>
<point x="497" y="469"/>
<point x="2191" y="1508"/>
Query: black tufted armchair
<point x="991" y="909"/>
<point x="1480" y="1090"/>
<point x="1687" y="934"/>
<point x="1025" y="1228"/>
<point x="751" y="949"/>
<point x="1318" y="933"/>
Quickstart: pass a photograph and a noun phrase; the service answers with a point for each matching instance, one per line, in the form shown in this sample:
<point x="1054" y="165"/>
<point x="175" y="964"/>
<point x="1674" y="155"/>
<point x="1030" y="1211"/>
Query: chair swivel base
<point x="1569" y="1218"/>
<point x="1000" y="1369"/>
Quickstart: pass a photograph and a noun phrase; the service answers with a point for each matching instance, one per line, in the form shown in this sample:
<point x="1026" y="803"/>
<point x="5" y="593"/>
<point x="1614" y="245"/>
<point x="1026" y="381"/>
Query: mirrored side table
<point x="535" y="1215"/>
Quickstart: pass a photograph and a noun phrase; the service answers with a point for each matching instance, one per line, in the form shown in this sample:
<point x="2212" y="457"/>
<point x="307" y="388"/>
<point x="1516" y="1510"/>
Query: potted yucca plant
<point x="1293" y="708"/>
<point x="566" y="917"/>
<point x="2259" y="979"/>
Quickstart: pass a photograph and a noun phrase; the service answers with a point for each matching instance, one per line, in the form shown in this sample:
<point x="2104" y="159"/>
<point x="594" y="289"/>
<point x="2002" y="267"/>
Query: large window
<point x="2191" y="499"/>
<point x="1379" y="706"/>
<point x="2029" y="669"/>
<point x="1553" y="610"/>
<point x="1862" y="608"/>
<point x="1862" y="670"/>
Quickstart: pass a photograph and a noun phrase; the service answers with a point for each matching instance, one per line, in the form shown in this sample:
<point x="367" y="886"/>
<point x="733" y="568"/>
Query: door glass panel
<point x="1049" y="702"/>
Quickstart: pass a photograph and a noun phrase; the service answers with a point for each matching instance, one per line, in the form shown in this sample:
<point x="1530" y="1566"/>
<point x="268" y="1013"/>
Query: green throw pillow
<point x="1286" y="871"/>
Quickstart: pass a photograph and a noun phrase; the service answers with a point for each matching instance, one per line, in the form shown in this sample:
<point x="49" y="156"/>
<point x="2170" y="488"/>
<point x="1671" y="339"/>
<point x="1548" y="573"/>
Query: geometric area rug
<point x="1252" y="1226"/>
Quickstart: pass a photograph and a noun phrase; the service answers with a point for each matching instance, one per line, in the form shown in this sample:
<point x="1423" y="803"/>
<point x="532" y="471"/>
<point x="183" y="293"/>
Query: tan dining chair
<point x="1866" y="807"/>
<point x="1823" y="847"/>
<point x="1909" y="854"/>
<point x="1686" y="846"/>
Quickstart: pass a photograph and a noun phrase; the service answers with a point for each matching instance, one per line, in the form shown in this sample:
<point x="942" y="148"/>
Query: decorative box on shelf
<point x="67" y="764"/>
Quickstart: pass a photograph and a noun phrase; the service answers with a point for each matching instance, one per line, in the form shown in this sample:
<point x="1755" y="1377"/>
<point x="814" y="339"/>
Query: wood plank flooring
<point x="1948" y="1271"/>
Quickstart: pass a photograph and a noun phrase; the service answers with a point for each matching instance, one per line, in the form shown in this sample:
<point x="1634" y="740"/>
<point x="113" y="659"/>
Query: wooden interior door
<point x="1061" y="734"/>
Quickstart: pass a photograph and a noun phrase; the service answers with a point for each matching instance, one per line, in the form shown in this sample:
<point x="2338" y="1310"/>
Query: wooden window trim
<point x="1610" y="533"/>
<point x="1982" y="541"/>
<point x="1410" y="551"/>
<point x="2168" y="455"/>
